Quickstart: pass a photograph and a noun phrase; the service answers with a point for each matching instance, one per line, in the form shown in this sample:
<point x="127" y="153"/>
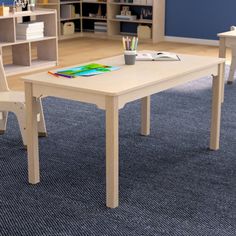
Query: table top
<point x="228" y="34"/>
<point x="128" y="77"/>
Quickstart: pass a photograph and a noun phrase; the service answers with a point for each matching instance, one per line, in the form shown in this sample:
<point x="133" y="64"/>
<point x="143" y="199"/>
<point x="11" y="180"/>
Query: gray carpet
<point x="170" y="183"/>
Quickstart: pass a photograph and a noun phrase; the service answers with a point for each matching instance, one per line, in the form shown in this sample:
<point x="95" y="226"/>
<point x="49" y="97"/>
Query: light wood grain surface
<point x="228" y="34"/>
<point x="83" y="50"/>
<point x="128" y="78"/>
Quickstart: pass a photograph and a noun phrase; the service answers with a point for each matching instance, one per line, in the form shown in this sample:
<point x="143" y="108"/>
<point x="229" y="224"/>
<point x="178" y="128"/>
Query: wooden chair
<point x="233" y="61"/>
<point x="14" y="101"/>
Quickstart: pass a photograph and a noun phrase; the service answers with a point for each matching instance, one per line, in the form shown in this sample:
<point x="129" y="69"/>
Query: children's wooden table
<point x="111" y="91"/>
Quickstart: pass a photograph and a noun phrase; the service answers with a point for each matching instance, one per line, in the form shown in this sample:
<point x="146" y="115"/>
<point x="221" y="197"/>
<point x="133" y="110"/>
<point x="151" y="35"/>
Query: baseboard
<point x="192" y="41"/>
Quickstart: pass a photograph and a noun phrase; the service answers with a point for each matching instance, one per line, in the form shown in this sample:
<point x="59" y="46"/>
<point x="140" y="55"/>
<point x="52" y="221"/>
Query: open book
<point x="157" y="56"/>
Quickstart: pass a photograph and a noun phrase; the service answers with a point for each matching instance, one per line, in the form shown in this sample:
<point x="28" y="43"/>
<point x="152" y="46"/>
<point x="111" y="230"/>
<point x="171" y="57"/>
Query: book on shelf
<point x="126" y="17"/>
<point x="157" y="56"/>
<point x="34" y="33"/>
<point x="100" y="27"/>
<point x="29" y="30"/>
<point x="99" y="23"/>
<point x="30" y="25"/>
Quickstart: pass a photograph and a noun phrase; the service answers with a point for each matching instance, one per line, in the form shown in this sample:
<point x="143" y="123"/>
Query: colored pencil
<point x="133" y="43"/>
<point x="130" y="44"/>
<point x="51" y="73"/>
<point x="127" y="40"/>
<point x="123" y="40"/>
<point x="66" y="76"/>
<point x="136" y="43"/>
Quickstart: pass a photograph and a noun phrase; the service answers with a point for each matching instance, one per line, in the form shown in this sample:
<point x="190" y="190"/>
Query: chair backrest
<point x="3" y="79"/>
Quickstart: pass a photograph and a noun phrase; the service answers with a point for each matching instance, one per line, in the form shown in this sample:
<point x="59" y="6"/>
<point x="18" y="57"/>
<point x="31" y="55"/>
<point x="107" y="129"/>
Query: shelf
<point x="29" y="13"/>
<point x="127" y="34"/>
<point x="69" y="2"/>
<point x="47" y="4"/>
<point x="130" y="4"/>
<point x="94" y="18"/>
<point x="42" y="63"/>
<point x="35" y="40"/>
<point x="71" y="18"/>
<point x="143" y="21"/>
<point x="95" y="2"/>
<point x="12" y="69"/>
<point x="6" y="44"/>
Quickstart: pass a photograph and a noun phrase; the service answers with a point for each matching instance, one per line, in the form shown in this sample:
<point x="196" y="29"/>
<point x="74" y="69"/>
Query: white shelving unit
<point x="29" y="55"/>
<point x="112" y="8"/>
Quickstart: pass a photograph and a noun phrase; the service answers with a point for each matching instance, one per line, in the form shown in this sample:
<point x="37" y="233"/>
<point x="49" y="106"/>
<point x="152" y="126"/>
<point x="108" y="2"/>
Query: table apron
<point x="161" y="86"/>
<point x="100" y="100"/>
<point x="230" y="42"/>
<point x="44" y="90"/>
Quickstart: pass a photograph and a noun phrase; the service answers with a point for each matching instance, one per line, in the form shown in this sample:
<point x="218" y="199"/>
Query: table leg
<point x="222" y="54"/>
<point x="145" y="115"/>
<point x="112" y="152"/>
<point x="3" y="121"/>
<point x="32" y="135"/>
<point x="232" y="66"/>
<point x="216" y="108"/>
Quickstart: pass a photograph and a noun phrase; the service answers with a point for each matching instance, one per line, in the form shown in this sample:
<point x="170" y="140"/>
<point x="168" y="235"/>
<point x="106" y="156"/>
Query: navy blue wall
<point x="199" y="18"/>
<point x="6" y="2"/>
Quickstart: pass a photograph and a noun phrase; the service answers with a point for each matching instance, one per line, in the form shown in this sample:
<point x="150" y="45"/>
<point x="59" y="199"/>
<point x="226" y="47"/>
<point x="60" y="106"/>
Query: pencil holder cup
<point x="130" y="57"/>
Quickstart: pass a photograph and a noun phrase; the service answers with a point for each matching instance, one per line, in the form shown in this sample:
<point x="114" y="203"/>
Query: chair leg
<point x="42" y="131"/>
<point x="21" y="117"/>
<point x="232" y="67"/>
<point x="3" y="121"/>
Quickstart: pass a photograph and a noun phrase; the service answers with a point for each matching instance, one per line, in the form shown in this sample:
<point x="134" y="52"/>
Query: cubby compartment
<point x="88" y="26"/>
<point x="7" y="30"/>
<point x="50" y="24"/>
<point x="16" y="58"/>
<point x="17" y="53"/>
<point x="39" y="55"/>
<point x="21" y="54"/>
<point x="97" y="11"/>
<point x="94" y="18"/>
<point x="119" y="22"/>
<point x="127" y="28"/>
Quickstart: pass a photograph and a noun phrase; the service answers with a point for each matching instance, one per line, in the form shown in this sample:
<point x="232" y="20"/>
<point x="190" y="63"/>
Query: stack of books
<point x="126" y="17"/>
<point x="29" y="30"/>
<point x="100" y="27"/>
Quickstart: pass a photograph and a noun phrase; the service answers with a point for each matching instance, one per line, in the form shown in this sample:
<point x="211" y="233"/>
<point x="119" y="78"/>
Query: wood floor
<point x="80" y="50"/>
